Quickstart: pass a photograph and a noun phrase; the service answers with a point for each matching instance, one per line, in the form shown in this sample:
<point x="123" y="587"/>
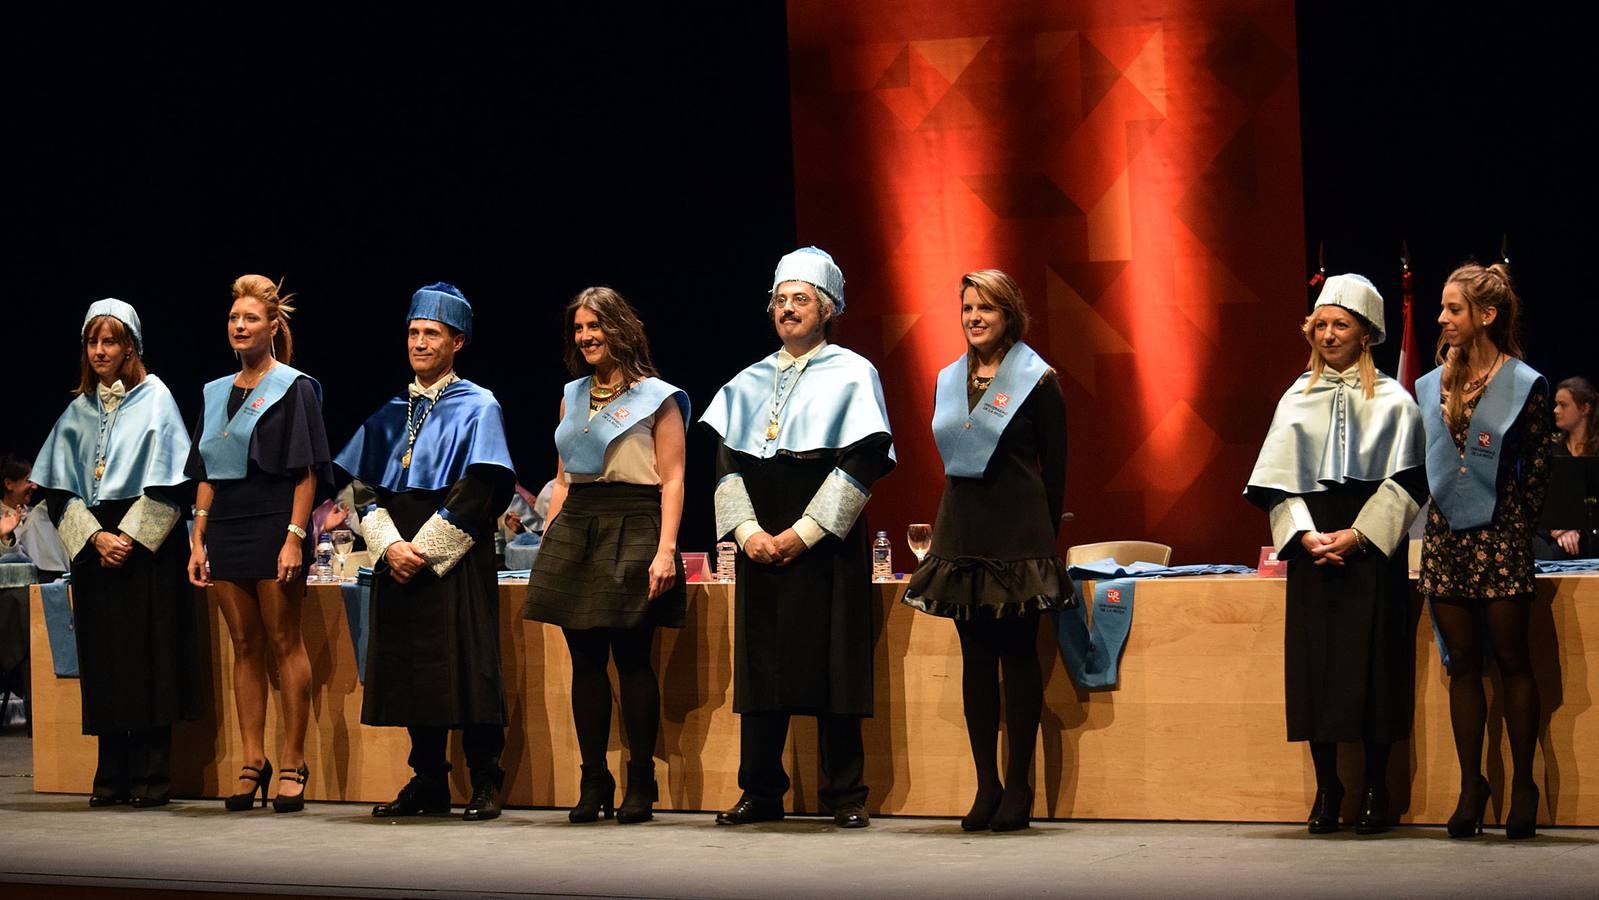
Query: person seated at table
<point x="27" y="538"/>
<point x="1342" y="475"/>
<point x="1577" y="418"/>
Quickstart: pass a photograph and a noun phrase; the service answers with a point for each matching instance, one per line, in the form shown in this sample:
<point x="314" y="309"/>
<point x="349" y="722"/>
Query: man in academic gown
<point x="804" y="433"/>
<point x="432" y="475"/>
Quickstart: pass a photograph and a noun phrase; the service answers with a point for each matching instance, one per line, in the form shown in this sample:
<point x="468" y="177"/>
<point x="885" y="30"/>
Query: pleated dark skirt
<point x="593" y="568"/>
<point x="969" y="588"/>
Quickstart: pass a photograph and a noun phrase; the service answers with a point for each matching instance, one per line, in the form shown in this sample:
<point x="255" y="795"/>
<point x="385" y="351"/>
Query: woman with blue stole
<point x="999" y="419"/>
<point x="1341" y="476"/>
<point x="261" y="455"/>
<point x="112" y="478"/>
<point x="1489" y="439"/>
<point x="608" y="571"/>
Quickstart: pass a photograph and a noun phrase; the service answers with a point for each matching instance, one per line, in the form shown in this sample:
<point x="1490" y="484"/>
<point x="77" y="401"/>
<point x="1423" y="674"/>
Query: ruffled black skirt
<point x="593" y="567"/>
<point x="974" y="587"/>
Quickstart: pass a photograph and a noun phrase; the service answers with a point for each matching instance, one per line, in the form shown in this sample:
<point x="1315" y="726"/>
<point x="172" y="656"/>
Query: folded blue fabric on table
<point x="1092" y="647"/>
<point x="1566" y="566"/>
<point x="357" y="612"/>
<point x="60" y="627"/>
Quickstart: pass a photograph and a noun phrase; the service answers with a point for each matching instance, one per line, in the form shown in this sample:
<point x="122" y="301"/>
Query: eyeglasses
<point x="798" y="301"/>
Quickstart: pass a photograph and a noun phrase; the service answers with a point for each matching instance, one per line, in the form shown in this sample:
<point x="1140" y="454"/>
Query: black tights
<point x="591" y="691"/>
<point x="1324" y="756"/>
<point x="985" y="644"/>
<point x="1460" y="621"/>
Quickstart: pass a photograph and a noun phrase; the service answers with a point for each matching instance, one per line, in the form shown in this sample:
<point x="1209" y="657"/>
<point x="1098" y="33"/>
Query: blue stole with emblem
<point x="581" y="441"/>
<point x="60" y="627"/>
<point x="837" y="402"/>
<point x="966" y="439"/>
<point x="147" y="446"/>
<point x="358" y="615"/>
<point x="464" y="428"/>
<point x="225" y="442"/>
<point x="1092" y="649"/>
<point x="1464" y="488"/>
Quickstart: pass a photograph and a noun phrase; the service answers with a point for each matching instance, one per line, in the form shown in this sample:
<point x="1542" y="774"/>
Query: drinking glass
<point x="920" y="537"/>
<point x="343" y="541"/>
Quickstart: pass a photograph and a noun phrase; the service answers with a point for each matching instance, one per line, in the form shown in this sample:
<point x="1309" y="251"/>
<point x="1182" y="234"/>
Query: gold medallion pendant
<point x="771" y="431"/>
<point x="99" y="470"/>
<point x="405" y="461"/>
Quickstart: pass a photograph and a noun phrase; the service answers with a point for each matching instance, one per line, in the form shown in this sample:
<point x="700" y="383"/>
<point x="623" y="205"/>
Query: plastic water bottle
<point x="322" y="569"/>
<point x="882" y="558"/>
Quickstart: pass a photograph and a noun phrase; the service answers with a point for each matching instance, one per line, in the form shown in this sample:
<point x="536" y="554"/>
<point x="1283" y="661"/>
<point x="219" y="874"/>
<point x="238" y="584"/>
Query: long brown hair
<point x="1482" y="287"/>
<point x="1583" y="394"/>
<point x="133" y="370"/>
<point x="278" y="308"/>
<point x="624" y="334"/>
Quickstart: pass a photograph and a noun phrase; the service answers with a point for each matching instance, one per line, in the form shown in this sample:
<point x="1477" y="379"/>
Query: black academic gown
<point x="433" y="658"/>
<point x="803" y="632"/>
<point x="1348" y="648"/>
<point x="135" y="628"/>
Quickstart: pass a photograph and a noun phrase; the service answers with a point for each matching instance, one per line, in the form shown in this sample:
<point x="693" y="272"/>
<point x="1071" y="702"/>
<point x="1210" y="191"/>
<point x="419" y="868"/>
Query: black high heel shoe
<point x="261" y="775"/>
<point x="1522" y="821"/>
<point x="1373" y="810"/>
<point x="596" y="796"/>
<point x="984" y="806"/>
<point x="1467" y="820"/>
<point x="1015" y="810"/>
<point x="296" y="803"/>
<point x="1324" y="812"/>
<point x="638" y="802"/>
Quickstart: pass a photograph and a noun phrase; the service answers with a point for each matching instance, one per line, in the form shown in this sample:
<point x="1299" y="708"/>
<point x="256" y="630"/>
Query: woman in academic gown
<point x="608" y="571"/>
<point x="1489" y="439"/>
<point x="261" y="454"/>
<point x="999" y="421"/>
<point x="1341" y="476"/>
<point x="111" y="473"/>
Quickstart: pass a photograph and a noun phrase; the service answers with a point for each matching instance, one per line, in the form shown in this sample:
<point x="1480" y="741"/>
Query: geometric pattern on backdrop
<point x="1135" y="167"/>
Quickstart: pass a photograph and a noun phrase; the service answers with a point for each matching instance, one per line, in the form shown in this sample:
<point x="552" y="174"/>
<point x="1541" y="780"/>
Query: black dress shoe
<point x="421" y="796"/>
<point x="1373" y="817"/>
<point x="851" y="815"/>
<point x="98" y="800"/>
<point x="1324" y="812"/>
<point x="148" y="802"/>
<point x="485" y="802"/>
<point x="751" y="809"/>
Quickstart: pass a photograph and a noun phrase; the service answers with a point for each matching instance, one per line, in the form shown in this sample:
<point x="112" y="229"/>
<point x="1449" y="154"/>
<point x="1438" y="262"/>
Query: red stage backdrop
<point x="1135" y="167"/>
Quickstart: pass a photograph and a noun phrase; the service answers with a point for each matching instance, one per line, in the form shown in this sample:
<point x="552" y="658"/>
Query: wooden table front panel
<point x="1194" y="731"/>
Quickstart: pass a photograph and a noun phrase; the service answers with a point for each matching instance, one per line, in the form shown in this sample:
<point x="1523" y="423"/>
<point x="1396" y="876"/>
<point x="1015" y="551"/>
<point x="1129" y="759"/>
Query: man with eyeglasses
<point x="804" y="433"/>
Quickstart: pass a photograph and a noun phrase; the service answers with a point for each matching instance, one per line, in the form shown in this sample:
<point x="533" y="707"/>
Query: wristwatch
<point x="297" y="531"/>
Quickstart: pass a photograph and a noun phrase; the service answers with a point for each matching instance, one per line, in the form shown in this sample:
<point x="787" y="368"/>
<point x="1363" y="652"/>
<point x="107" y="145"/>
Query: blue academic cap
<point x="121" y="311"/>
<point x="443" y="302"/>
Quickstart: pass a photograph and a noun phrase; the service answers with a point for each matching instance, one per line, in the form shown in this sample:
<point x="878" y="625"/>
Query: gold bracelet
<point x="201" y="513"/>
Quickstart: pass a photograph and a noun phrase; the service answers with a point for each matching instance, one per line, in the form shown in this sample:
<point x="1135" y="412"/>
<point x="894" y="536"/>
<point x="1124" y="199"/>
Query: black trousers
<point x="762" y="737"/>
<point x="135" y="763"/>
<point x="481" y="743"/>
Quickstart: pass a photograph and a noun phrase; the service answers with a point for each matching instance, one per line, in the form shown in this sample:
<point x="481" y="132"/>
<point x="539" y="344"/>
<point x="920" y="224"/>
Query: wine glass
<point x="343" y="541"/>
<point x="920" y="537"/>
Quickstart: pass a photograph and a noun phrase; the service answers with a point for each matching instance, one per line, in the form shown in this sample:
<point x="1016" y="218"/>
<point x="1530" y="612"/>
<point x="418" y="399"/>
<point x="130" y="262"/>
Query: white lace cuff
<point x="149" y="521"/>
<point x="733" y="507"/>
<point x="380" y="532"/>
<point x="441" y="543"/>
<point x="1386" y="516"/>
<point x="745" y="531"/>
<point x="1289" y="519"/>
<point x="77" y="526"/>
<point x="838" y="502"/>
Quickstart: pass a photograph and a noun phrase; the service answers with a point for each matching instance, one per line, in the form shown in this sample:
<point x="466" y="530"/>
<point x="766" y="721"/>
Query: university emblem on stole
<point x="1113" y="595"/>
<point x="259" y="401"/>
<point x="1002" y="399"/>
<point x="1484" y="440"/>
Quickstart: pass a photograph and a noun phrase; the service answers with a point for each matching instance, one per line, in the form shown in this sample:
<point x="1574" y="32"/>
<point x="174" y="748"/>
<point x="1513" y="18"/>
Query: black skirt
<point x="977" y="587"/>
<point x="593" y="568"/>
<point x="245" y="548"/>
